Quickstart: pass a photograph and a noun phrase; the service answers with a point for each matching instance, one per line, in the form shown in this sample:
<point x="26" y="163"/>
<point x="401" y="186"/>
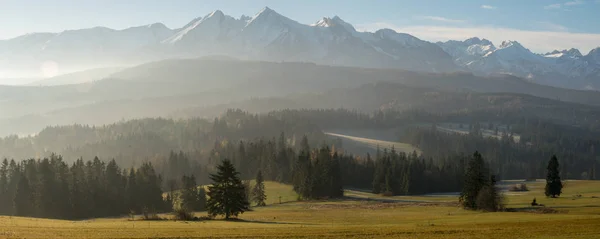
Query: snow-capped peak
<point x="402" y="38"/>
<point x="568" y="53"/>
<point x="594" y="55"/>
<point x="347" y="26"/>
<point x="477" y="41"/>
<point x="336" y="21"/>
<point x="245" y="18"/>
<point x="211" y="26"/>
<point x="217" y="13"/>
<point x="324" y="22"/>
<point x="573" y="52"/>
<point x="507" y="44"/>
<point x="264" y="13"/>
<point x="268" y="16"/>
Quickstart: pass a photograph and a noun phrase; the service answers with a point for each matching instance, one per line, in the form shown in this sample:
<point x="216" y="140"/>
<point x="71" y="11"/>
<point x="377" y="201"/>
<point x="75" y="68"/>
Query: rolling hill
<point x="164" y="87"/>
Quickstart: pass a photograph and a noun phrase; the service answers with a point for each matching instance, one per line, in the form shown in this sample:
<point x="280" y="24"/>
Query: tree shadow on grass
<point x="265" y="222"/>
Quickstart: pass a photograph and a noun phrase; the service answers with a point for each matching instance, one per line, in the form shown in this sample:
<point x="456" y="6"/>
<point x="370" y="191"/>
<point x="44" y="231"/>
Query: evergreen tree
<point x="148" y="183"/>
<point x="337" y="187"/>
<point x="258" y="192"/>
<point x="23" y="199"/>
<point x="301" y="174"/>
<point x="49" y="188"/>
<point x="78" y="194"/>
<point x="188" y="198"/>
<point x="201" y="199"/>
<point x="4" y="197"/>
<point x="553" y="183"/>
<point x="475" y="180"/>
<point x="226" y="194"/>
<point x="247" y="190"/>
<point x="115" y="189"/>
<point x="131" y="192"/>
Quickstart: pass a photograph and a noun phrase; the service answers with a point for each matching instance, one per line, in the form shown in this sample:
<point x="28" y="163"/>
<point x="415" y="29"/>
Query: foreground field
<point x="577" y="217"/>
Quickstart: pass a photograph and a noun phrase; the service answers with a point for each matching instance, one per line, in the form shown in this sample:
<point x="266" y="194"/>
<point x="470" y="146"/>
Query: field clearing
<point x="351" y="141"/>
<point x="577" y="218"/>
<point x="455" y="128"/>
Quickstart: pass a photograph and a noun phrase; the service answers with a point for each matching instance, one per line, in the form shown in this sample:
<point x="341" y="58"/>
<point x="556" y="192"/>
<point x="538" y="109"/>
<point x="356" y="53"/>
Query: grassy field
<point x="439" y="217"/>
<point x="369" y="144"/>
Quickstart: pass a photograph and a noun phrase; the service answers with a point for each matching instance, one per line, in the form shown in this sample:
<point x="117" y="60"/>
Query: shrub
<point x="387" y="194"/>
<point x="183" y="214"/>
<point x="488" y="199"/>
<point x="150" y="215"/>
<point x="518" y="188"/>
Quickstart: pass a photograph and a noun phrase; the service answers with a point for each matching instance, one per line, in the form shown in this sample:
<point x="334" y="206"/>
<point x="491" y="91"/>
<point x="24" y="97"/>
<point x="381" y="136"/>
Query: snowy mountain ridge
<point x="563" y="68"/>
<point x="271" y="36"/>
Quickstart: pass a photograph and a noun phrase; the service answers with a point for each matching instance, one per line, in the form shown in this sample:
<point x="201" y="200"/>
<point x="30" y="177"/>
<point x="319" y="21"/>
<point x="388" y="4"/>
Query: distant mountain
<point x="160" y="88"/>
<point x="77" y="77"/>
<point x="266" y="36"/>
<point x="76" y="50"/>
<point x="565" y="68"/>
<point x="331" y="41"/>
<point x="270" y="36"/>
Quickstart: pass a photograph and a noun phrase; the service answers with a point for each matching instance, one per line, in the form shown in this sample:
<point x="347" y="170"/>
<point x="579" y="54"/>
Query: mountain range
<point x="564" y="68"/>
<point x="270" y="36"/>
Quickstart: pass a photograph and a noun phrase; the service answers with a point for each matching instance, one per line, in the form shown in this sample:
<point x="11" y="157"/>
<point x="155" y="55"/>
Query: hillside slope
<point x="158" y="88"/>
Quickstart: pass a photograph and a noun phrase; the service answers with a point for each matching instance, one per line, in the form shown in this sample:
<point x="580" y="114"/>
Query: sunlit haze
<point x="300" y="119"/>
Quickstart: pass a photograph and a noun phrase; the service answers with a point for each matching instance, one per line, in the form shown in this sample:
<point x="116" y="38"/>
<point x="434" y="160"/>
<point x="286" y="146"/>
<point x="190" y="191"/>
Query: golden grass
<point x="579" y="218"/>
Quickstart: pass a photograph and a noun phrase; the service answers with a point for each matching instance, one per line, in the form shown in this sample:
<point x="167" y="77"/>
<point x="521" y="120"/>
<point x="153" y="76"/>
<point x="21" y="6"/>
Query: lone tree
<point x="475" y="180"/>
<point x="226" y="194"/>
<point x="553" y="183"/>
<point x="258" y="192"/>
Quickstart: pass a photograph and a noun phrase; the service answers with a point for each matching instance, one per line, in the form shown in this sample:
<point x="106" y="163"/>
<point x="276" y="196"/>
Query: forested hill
<point x="387" y="96"/>
<point x="159" y="88"/>
<point x="133" y="142"/>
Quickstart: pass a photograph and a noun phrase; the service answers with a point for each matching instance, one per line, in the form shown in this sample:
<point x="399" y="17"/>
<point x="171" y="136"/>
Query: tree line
<point x="50" y="188"/>
<point x="509" y="159"/>
<point x="322" y="172"/>
<point x="480" y="191"/>
<point x="132" y="142"/>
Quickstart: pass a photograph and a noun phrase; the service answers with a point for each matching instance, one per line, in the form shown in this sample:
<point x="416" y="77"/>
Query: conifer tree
<point x="188" y="198"/>
<point x="131" y="191"/>
<point x="475" y="180"/>
<point x="258" y="192"/>
<point x="301" y="175"/>
<point x="553" y="183"/>
<point x="201" y="199"/>
<point x="226" y="194"/>
<point x="4" y="202"/>
<point x="23" y="199"/>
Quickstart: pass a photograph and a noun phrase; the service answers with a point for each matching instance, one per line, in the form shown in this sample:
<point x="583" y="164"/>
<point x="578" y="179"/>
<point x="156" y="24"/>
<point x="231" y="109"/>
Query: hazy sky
<point x="539" y="24"/>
